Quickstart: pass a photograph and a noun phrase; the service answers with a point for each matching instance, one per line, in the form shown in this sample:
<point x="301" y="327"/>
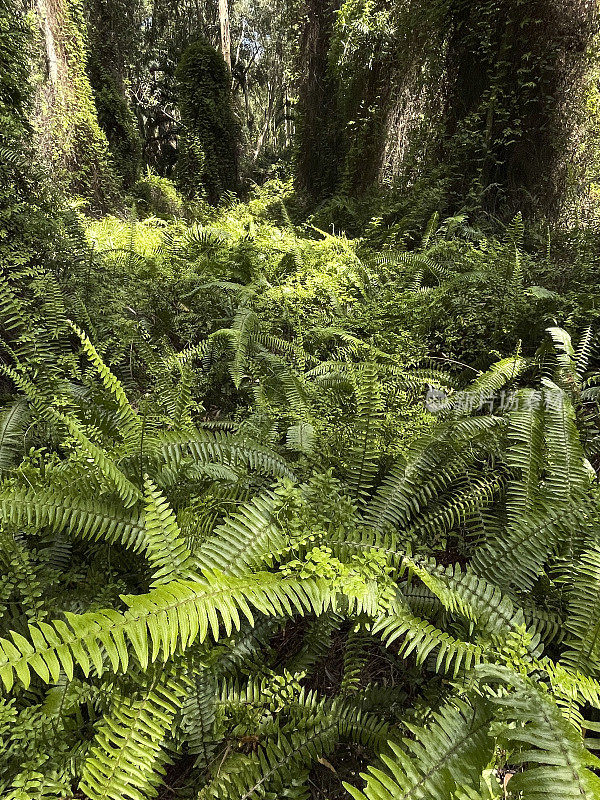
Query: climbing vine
<point x="208" y="159"/>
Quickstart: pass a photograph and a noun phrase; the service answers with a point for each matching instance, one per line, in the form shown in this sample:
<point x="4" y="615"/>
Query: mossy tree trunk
<point x="317" y="127"/>
<point x="515" y="70"/>
<point x="114" y="45"/>
<point x="71" y="143"/>
<point x="483" y="99"/>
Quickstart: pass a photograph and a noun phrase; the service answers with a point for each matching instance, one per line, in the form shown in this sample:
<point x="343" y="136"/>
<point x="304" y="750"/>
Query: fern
<point x="207" y="447"/>
<point x="12" y="420"/>
<point x="448" y="755"/>
<point x="88" y="519"/>
<point x="199" y="713"/>
<point x="423" y="638"/>
<point x="165" y="546"/>
<point x="166" y="620"/>
<point x="245" y="539"/>
<point x="552" y="755"/>
<point x="525" y="453"/>
<point x="127" y="758"/>
<point x="129" y="419"/>
<point x="363" y="457"/>
<point x="583" y="620"/>
<point x="567" y="474"/>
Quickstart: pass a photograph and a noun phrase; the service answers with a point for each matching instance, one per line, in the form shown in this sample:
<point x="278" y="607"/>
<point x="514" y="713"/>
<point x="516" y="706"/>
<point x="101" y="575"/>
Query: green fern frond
<point x="77" y="516"/>
<point x="246" y="539"/>
<point x="550" y="754"/>
<point x="525" y="453"/>
<point x="472" y="597"/>
<point x="567" y="474"/>
<point x="301" y="438"/>
<point x="356" y="655"/>
<point x="12" y="421"/>
<point x="462" y="508"/>
<point x="449" y="754"/>
<point x="584" y="350"/>
<point x="12" y="317"/>
<point x="275" y="766"/>
<point x="433" y="464"/>
<point x="127" y="758"/>
<point x="516" y="558"/>
<point x="487" y="385"/>
<point x="363" y="459"/>
<point x="127" y="491"/>
<point x="199" y="713"/>
<point x="166" y="620"/>
<point x="129" y="418"/>
<point x="207" y="447"/>
<point x="583" y="615"/>
<point x="565" y="352"/>
<point x="423" y="638"/>
<point x="165" y="546"/>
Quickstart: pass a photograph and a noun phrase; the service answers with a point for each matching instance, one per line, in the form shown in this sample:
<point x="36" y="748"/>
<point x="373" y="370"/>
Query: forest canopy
<point x="299" y="400"/>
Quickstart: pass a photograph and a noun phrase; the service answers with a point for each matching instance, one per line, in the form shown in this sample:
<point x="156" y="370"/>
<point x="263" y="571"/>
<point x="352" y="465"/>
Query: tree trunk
<point x="318" y="134"/>
<point x="225" y="32"/>
<point x="515" y="74"/>
<point x="265" y="130"/>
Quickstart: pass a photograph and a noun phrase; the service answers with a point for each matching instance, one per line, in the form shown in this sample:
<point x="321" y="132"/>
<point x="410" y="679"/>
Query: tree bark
<point x="318" y="134"/>
<point x="225" y="32"/>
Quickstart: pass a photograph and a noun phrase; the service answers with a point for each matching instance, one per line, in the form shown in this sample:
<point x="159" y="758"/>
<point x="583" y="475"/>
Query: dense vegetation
<point x="300" y="400"/>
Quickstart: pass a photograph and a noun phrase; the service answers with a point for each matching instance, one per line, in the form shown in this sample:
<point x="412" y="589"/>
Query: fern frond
<point x="77" y="516"/>
<point x="12" y="420"/>
<point x="166" y="620"/>
<point x="423" y="638"/>
<point x="127" y="491"/>
<point x="199" y="713"/>
<point x="165" y="546"/>
<point x="462" y="508"/>
<point x="566" y="461"/>
<point x="487" y="385"/>
<point x="435" y="462"/>
<point x="525" y="453"/>
<point x="207" y="447"/>
<point x="516" y="558"/>
<point x="301" y="437"/>
<point x="12" y="317"/>
<point x="472" y="597"/>
<point x="127" y="758"/>
<point x="583" y="616"/>
<point x="565" y="352"/>
<point x="245" y="539"/>
<point x="129" y="418"/>
<point x="364" y="455"/>
<point x="551" y="754"/>
<point x="276" y="765"/>
<point x="449" y="754"/>
<point x="356" y="655"/>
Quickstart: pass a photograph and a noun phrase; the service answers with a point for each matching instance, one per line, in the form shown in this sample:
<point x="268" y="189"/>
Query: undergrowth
<point x="280" y="507"/>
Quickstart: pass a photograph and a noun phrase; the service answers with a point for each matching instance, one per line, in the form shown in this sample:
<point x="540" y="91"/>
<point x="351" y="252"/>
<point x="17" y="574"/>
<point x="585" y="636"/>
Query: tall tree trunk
<point x="515" y="75"/>
<point x="265" y="129"/>
<point x="70" y="142"/>
<point x="225" y="32"/>
<point x="318" y="131"/>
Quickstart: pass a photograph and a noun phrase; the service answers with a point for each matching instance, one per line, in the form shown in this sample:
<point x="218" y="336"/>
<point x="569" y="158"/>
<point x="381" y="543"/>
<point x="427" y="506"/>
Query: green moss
<point x="157" y="196"/>
<point x="118" y="123"/>
<point x="113" y="34"/>
<point x="72" y="142"/>
<point x="208" y="158"/>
